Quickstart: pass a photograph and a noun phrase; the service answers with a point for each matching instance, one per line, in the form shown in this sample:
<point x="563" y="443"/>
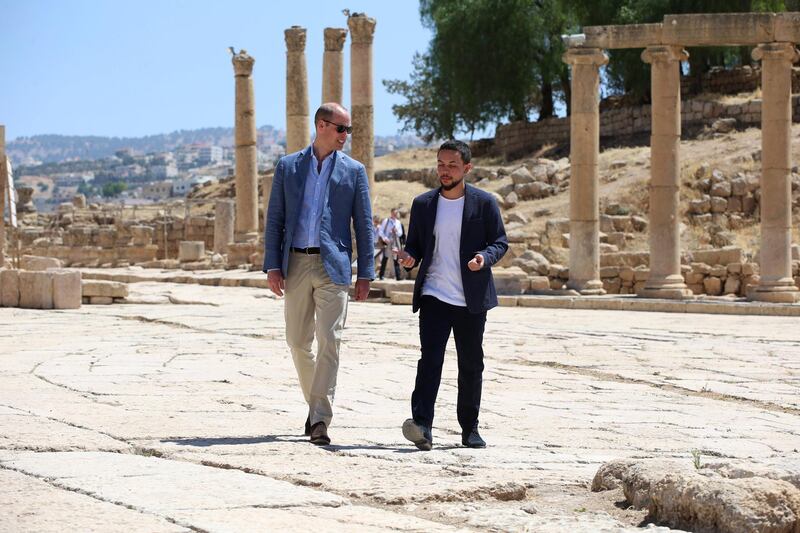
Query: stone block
<point x="35" y="289"/>
<point x="719" y="256"/>
<point x="142" y="235"/>
<point x="538" y="283"/>
<point x="110" y="289"/>
<point x="696" y="288"/>
<point x="718" y="271"/>
<point x="101" y="300"/>
<point x="734" y="204"/>
<point x="718" y="205"/>
<point x="9" y="288"/>
<point x="732" y="285"/>
<point x="749" y="269"/>
<point x="694" y="278"/>
<point x="239" y="253"/>
<point x="191" y="251"/>
<point x="626" y="274"/>
<point x="66" y="289"/>
<point x="511" y="281"/>
<point x="35" y="262"/>
<point x="701" y="206"/>
<point x="612" y="285"/>
<point x="712" y="286"/>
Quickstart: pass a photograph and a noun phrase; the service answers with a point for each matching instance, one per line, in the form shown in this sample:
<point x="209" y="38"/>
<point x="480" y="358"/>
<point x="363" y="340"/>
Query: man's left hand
<point x="476" y="263"/>
<point x="362" y="289"/>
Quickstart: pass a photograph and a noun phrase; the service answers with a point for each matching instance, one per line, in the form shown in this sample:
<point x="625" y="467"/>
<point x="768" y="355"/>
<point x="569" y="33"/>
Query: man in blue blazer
<point x="316" y="193"/>
<point x="457" y="233"/>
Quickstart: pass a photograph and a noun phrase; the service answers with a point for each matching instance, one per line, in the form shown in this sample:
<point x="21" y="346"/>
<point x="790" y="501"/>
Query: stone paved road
<point x="187" y="416"/>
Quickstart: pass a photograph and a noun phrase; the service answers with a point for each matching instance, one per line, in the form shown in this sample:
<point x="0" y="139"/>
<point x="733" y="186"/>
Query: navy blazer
<point x="347" y="199"/>
<point x="482" y="232"/>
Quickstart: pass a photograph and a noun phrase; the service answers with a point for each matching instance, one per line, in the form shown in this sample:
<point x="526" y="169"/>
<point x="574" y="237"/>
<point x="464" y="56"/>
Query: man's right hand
<point x="276" y="283"/>
<point x="405" y="259"/>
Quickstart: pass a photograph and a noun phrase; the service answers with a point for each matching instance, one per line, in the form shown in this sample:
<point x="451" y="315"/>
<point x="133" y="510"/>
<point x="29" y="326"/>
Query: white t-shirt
<point x="443" y="280"/>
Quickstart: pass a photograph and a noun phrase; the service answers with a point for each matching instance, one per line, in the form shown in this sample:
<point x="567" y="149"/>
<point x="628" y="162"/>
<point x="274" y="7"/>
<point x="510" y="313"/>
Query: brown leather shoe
<point x="319" y="434"/>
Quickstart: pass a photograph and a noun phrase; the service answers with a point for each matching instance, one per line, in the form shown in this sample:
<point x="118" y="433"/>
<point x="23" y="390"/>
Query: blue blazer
<point x="347" y="199"/>
<point x="482" y="232"/>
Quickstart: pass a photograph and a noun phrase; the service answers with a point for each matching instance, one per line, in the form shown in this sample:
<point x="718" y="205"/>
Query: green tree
<point x="488" y="60"/>
<point x="113" y="188"/>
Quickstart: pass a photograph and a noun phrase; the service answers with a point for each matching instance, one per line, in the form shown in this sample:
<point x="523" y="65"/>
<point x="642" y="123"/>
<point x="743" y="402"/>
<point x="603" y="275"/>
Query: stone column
<point x="246" y="150"/>
<point x="223" y="225"/>
<point x="776" y="283"/>
<point x="297" y="125"/>
<point x="362" y="29"/>
<point x="3" y="179"/>
<point x="665" y="279"/>
<point x="584" y="220"/>
<point x="332" y="59"/>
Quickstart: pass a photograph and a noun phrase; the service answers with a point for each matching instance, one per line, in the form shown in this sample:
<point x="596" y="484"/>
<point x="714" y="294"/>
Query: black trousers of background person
<point x="436" y="320"/>
<point x="385" y="259"/>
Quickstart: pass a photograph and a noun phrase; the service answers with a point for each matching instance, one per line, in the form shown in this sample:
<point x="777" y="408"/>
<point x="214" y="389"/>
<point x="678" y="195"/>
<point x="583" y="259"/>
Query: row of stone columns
<point x="362" y="29"/>
<point x="665" y="279"/>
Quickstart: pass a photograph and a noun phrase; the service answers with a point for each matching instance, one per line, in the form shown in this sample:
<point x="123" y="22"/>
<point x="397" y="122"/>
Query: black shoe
<point x="473" y="439"/>
<point x="418" y="434"/>
<point x="319" y="434"/>
<point x="307" y="431"/>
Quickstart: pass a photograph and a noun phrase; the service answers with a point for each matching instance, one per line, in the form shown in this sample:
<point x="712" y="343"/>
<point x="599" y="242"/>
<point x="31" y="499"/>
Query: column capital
<point x="334" y="39"/>
<point x="362" y="28"/>
<point x="779" y="51"/>
<point x="242" y="63"/>
<point x="295" y="39"/>
<point x="585" y="56"/>
<point x="655" y="54"/>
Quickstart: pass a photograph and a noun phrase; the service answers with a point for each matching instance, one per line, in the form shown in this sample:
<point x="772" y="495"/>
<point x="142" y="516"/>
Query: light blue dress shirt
<point x="306" y="234"/>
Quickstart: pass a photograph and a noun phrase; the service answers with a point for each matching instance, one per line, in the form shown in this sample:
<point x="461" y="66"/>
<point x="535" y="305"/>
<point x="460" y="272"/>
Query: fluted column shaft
<point x="362" y="29"/>
<point x="584" y="221"/>
<point x="332" y="65"/>
<point x="246" y="150"/>
<point x="298" y="134"/>
<point x="776" y="283"/>
<point x="665" y="279"/>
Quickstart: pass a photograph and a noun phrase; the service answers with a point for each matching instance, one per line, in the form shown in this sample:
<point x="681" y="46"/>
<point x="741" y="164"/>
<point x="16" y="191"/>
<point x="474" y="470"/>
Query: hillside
<point x="56" y="148"/>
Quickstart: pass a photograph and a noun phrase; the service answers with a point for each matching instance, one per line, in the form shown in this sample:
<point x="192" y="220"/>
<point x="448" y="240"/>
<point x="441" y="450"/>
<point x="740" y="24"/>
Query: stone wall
<point x="720" y="80"/>
<point x="116" y="243"/>
<point x="517" y="138"/>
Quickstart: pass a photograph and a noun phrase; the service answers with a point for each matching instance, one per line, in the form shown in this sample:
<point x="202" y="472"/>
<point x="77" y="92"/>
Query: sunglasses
<point x="340" y="128"/>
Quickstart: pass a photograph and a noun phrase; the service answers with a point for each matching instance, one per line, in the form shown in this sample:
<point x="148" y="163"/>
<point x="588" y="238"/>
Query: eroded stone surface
<point x="184" y="398"/>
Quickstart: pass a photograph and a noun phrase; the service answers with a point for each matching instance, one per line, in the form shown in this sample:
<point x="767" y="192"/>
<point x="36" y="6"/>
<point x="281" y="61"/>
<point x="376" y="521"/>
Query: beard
<point x="453" y="184"/>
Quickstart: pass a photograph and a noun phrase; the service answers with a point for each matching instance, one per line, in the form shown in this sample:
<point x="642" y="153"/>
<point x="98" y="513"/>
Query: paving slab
<point x="183" y="407"/>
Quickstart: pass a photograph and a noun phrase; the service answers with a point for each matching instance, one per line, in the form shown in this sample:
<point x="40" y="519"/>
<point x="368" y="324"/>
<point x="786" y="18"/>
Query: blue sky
<point x="133" y="68"/>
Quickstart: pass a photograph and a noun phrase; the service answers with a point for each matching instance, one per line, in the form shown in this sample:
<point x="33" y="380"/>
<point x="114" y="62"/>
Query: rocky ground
<point x="187" y="416"/>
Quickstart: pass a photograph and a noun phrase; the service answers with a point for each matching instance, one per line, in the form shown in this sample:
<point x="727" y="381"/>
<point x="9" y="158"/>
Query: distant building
<point x="129" y="171"/>
<point x="161" y="172"/>
<point x="158" y="190"/>
<point x="184" y="186"/>
<point x="209" y="155"/>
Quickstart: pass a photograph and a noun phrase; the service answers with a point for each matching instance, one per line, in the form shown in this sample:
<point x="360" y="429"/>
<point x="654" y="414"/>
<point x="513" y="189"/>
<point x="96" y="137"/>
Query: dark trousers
<point x="436" y="320"/>
<point x="396" y="266"/>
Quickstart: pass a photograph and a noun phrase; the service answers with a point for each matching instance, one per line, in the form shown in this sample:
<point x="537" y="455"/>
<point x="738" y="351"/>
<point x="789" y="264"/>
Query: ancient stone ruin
<point x="774" y="36"/>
